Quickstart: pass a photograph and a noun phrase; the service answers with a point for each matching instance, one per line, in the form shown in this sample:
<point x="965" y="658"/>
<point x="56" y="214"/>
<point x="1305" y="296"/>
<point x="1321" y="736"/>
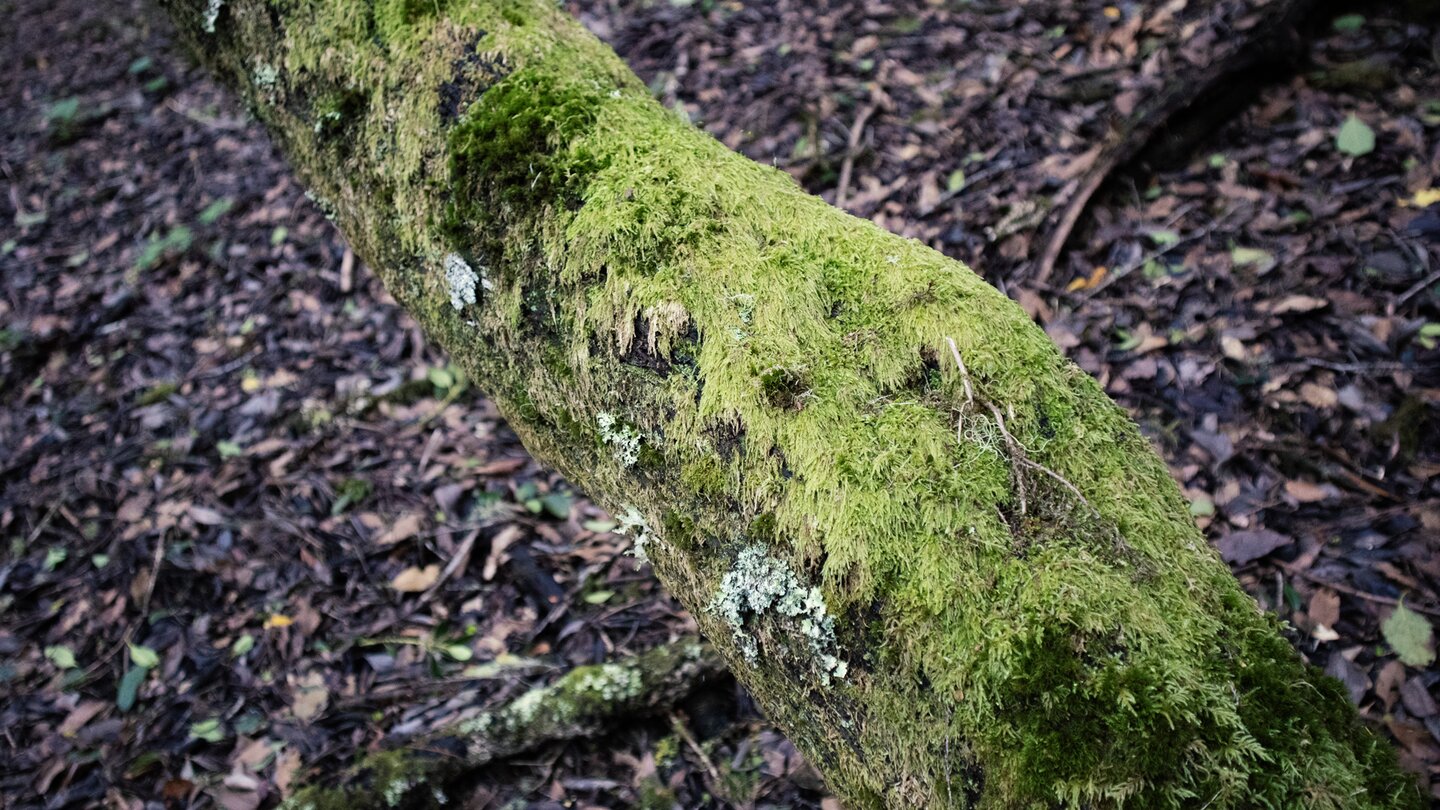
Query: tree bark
<point x="938" y="555"/>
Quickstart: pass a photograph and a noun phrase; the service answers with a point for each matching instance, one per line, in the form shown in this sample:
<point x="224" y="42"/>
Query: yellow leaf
<point x="1111" y="13"/>
<point x="1090" y="282"/>
<point x="1424" y="198"/>
<point x="278" y="620"/>
<point x="250" y="385"/>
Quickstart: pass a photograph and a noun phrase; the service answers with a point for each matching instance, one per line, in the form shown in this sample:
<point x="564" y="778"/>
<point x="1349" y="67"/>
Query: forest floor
<point x="233" y="474"/>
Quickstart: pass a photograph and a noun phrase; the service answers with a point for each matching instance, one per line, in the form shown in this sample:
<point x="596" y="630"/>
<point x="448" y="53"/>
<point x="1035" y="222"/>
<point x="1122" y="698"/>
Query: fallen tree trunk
<point x="937" y="554"/>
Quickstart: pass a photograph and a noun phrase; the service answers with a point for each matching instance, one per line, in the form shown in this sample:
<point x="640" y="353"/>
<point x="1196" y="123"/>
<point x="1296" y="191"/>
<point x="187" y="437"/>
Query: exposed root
<point x="1019" y="455"/>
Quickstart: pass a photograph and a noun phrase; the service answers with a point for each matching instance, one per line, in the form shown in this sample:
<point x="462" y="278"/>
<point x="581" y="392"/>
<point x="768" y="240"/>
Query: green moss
<point x="385" y="779"/>
<point x="157" y="393"/>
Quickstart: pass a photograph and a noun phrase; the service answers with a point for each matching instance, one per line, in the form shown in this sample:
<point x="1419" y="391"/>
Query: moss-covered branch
<point x="955" y="578"/>
<point x="582" y="703"/>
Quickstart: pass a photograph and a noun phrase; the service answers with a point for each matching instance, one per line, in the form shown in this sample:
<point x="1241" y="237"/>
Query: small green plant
<point x="1348" y="23"/>
<point x="1429" y="335"/>
<point x="63" y="118"/>
<point x="351" y="492"/>
<point x="1355" y="138"/>
<point x="157" y="393"/>
<point x="175" y="241"/>
<point x="215" y="210"/>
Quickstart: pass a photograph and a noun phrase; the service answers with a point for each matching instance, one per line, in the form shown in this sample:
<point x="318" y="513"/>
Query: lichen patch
<point x="624" y="440"/>
<point x="212" y="15"/>
<point x="461" y="280"/>
<point x="759" y="584"/>
<point x="633" y="524"/>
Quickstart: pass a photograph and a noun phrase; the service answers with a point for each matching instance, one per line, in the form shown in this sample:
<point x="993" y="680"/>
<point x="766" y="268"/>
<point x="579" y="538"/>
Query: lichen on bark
<point x="1024" y="613"/>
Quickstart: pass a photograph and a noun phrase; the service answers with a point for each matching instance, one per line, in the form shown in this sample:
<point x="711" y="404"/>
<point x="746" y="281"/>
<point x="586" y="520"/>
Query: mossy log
<point x="582" y="703"/>
<point x="943" y="561"/>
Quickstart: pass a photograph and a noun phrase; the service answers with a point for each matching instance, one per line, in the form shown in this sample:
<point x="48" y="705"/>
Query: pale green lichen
<point x="633" y="523"/>
<point x="523" y="709"/>
<point x="623" y="439"/>
<point x="611" y="682"/>
<point x="460" y="280"/>
<point x="759" y="584"/>
<point x="322" y="202"/>
<point x="477" y="725"/>
<point x="212" y="15"/>
<point x="266" y="80"/>
<point x="395" y="790"/>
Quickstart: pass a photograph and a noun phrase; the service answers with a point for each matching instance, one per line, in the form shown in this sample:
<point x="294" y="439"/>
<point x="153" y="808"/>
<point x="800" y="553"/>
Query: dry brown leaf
<point x="206" y="516"/>
<point x="415" y="579"/>
<point x="287" y="763"/>
<point x="80" y="715"/>
<point x="254" y="754"/>
<point x="308" y="696"/>
<point x="503" y="466"/>
<point x="1306" y="492"/>
<point x="404" y="528"/>
<point x="1242" y="547"/>
<point x="1293" y="303"/>
<point x="1324" y="608"/>
<point x="1318" y="396"/>
<point x="504" y="538"/>
<point x="1388" y="681"/>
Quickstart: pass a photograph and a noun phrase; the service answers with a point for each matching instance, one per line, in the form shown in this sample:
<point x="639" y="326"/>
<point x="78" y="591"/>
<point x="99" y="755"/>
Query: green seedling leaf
<point x="176" y="241"/>
<point x="1355" y="138"/>
<point x="598" y="597"/>
<point x="54" y="556"/>
<point x="61" y="656"/>
<point x="144" y="657"/>
<point x="351" y="492"/>
<point x="557" y="504"/>
<point x="242" y="645"/>
<point x="459" y="652"/>
<point x="440" y="377"/>
<point x="956" y="181"/>
<point x="228" y="449"/>
<point x="1163" y="237"/>
<point x="1248" y="257"/>
<point x="207" y="730"/>
<point x="1411" y="636"/>
<point x="1347" y="23"/>
<point x="63" y="111"/>
<point x="1429" y="335"/>
<point x="215" y="210"/>
<point x="130" y="688"/>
